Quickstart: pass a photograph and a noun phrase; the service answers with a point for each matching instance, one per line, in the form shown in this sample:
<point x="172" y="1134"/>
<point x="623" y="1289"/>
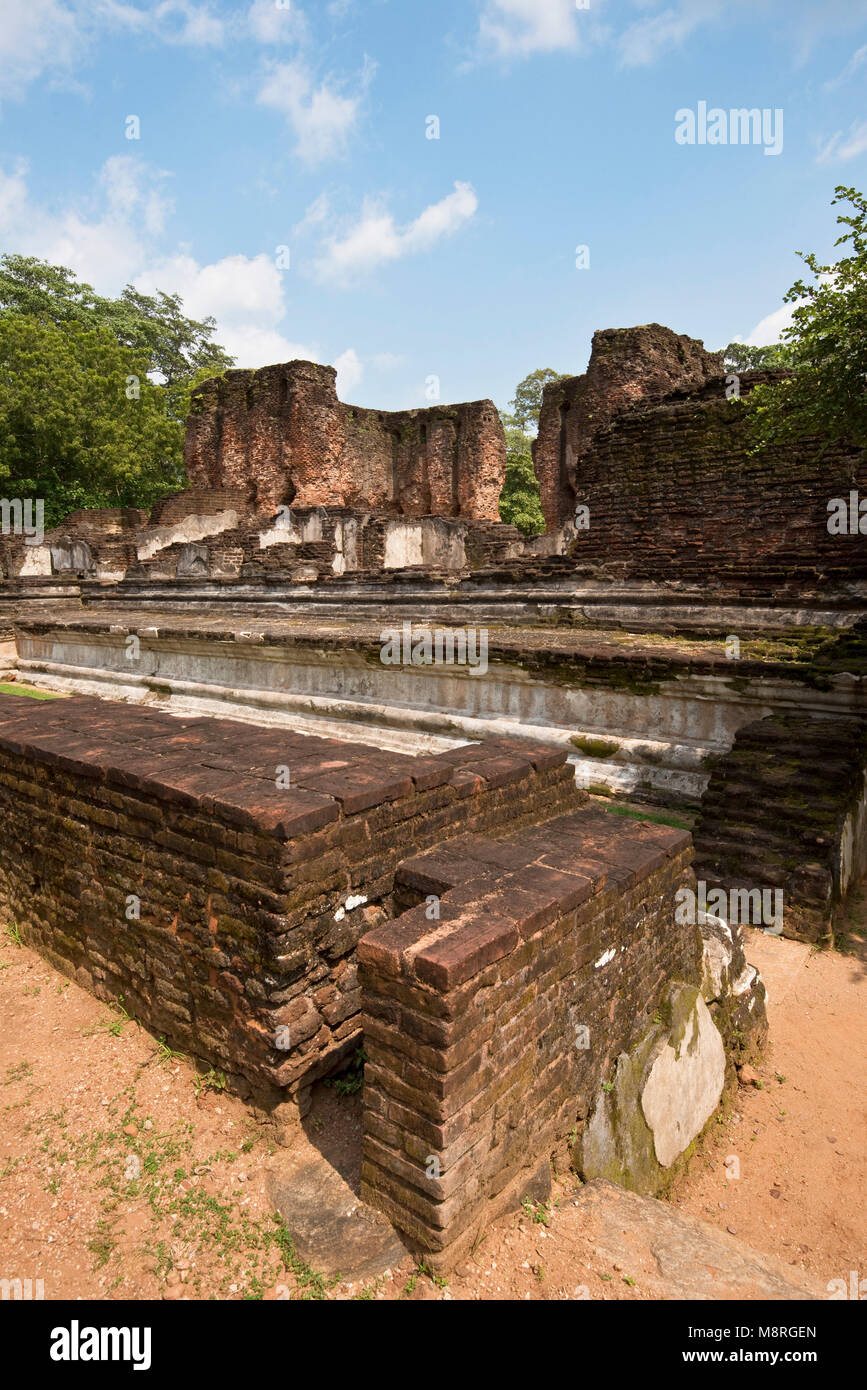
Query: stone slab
<point x="674" y="1256"/>
<point x="331" y="1228"/>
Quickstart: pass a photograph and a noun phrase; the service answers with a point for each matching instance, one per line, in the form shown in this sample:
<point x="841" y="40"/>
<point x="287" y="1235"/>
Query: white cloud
<point x="842" y="147"/>
<point x="376" y="239"/>
<point x="647" y="39"/>
<point x="103" y="237"/>
<point x="859" y="57"/>
<point x="133" y="192"/>
<point x="182" y="22"/>
<point x="387" y="361"/>
<point x="171" y="21"/>
<point x="315" y="215"/>
<point x="36" y="36"/>
<point x="245" y="294"/>
<point x="47" y="38"/>
<point x="349" y="372"/>
<point x="272" y="23"/>
<point x="108" y="241"/>
<point x="321" y="117"/>
<point x="516" y="28"/>
<point x="767" y="331"/>
<point x="519" y="28"/>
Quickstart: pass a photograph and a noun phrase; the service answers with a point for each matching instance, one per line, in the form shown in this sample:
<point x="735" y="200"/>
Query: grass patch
<point x="7" y="688"/>
<point x="665" y="819"/>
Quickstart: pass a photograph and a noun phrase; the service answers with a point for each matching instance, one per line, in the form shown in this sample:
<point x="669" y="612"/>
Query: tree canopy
<point x="826" y="344"/>
<point x="519" y="500"/>
<point x="740" y="357"/>
<point x="93" y="391"/>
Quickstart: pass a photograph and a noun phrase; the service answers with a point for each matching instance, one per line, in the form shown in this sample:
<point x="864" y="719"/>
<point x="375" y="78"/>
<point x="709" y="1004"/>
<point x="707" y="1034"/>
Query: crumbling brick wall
<point x="674" y="495"/>
<point x="653" y="441"/>
<point x="283" y="434"/>
<point x="628" y="367"/>
<point x="490" y="1031"/>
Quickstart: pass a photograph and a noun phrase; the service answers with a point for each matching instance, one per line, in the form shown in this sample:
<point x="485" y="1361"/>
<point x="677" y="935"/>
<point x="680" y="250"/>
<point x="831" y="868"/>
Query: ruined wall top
<point x="628" y="366"/>
<point x="281" y="434"/>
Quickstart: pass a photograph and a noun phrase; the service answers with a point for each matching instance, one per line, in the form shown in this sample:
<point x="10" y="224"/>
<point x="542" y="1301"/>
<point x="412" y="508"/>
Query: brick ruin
<point x="430" y="878"/>
<point x="282" y="434"/>
<point x="468" y="915"/>
<point x="287" y="482"/>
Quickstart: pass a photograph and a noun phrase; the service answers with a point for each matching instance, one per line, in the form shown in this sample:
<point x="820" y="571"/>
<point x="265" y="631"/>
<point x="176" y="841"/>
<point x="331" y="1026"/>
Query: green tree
<point x="519" y="499"/>
<point x="528" y="398"/>
<point x="177" y="349"/>
<point x="740" y="357"/>
<point x="80" y="423"/>
<point x="74" y="430"/>
<point x="825" y="397"/>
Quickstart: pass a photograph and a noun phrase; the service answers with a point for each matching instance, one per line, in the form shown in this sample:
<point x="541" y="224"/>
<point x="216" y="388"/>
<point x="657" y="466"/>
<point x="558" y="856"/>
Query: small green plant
<point x="13" y="931"/>
<point x="538" y="1212"/>
<point x="168" y="1054"/>
<point x="350" y="1082"/>
<point x="113" y="1022"/>
<point x="627" y="1279"/>
<point x="209" y="1081"/>
<point x="608" y="1085"/>
<point x="102" y="1244"/>
<point x="648" y="815"/>
<point x="422" y="1269"/>
<point x="311" y="1283"/>
<point x="17" y="1072"/>
<point x="15" y="689"/>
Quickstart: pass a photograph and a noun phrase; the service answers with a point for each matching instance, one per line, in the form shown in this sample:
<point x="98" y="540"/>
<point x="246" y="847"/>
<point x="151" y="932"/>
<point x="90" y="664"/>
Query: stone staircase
<point x="784" y="809"/>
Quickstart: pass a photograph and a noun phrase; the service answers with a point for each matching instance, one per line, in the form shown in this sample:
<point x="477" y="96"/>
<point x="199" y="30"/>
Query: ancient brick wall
<point x="674" y="495"/>
<point x="282" y="433"/>
<point x="489" y="1032"/>
<point x="628" y="367"/>
<point x="243" y="925"/>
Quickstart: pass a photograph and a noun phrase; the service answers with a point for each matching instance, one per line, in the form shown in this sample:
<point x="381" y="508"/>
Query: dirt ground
<point x="124" y="1174"/>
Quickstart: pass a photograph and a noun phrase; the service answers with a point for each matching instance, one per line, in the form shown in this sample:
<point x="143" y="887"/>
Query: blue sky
<point x="274" y="124"/>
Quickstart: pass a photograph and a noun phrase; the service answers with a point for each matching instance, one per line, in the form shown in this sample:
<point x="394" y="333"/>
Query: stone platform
<point x="639" y="714"/>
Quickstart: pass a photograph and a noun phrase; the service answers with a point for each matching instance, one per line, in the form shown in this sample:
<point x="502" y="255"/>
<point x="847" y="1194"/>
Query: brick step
<point x="815" y="817"/>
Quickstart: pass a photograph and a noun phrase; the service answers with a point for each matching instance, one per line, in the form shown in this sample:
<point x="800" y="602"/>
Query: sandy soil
<point x="123" y="1174"/>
